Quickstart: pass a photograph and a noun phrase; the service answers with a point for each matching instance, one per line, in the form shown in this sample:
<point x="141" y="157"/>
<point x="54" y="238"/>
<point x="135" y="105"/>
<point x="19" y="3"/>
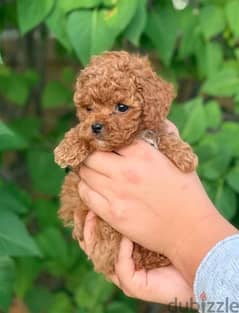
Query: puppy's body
<point x="118" y="98"/>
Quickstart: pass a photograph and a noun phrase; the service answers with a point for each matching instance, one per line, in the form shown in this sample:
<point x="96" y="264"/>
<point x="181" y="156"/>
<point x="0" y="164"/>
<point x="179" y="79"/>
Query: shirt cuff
<point x="217" y="278"/>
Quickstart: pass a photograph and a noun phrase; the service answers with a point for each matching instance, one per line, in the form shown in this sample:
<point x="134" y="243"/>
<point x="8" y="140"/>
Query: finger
<point x="165" y="284"/>
<point x="172" y="128"/>
<point x="77" y="231"/>
<point x="115" y="280"/>
<point x="95" y="201"/>
<point x="124" y="268"/>
<point x="82" y="245"/>
<point x="103" y="162"/>
<point x="98" y="182"/>
<point x="89" y="232"/>
<point x="92" y="199"/>
<point x="138" y="147"/>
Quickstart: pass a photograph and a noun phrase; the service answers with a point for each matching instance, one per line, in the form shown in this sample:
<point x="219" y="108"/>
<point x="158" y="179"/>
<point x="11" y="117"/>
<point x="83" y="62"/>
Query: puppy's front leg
<point x="178" y="151"/>
<point x="72" y="150"/>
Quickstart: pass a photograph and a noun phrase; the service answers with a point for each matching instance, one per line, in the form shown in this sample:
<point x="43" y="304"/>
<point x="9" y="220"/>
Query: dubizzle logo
<point x="203" y="296"/>
<point x="205" y="306"/>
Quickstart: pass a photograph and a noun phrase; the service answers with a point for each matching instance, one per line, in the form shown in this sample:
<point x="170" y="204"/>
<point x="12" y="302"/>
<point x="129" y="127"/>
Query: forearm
<point x="205" y="235"/>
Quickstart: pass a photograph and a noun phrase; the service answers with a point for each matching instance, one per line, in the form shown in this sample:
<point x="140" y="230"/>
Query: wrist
<point x="195" y="244"/>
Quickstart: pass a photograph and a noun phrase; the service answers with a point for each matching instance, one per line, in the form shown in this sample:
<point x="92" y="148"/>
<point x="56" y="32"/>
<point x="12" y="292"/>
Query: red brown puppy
<point x="118" y="98"/>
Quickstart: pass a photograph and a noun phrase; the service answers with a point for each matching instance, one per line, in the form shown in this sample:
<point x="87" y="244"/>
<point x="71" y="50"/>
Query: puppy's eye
<point x="121" y="107"/>
<point x="88" y="109"/>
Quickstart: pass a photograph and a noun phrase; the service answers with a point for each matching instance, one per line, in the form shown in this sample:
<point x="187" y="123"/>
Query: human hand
<point x="163" y="285"/>
<point x="140" y="193"/>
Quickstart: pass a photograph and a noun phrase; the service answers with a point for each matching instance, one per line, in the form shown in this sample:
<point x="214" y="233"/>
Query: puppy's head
<point x="117" y="96"/>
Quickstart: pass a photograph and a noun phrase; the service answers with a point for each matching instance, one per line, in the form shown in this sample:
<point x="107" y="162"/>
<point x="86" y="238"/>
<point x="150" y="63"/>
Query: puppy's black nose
<point x="96" y="128"/>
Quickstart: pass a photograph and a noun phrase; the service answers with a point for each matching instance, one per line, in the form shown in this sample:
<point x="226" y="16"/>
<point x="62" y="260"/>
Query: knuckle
<point x="140" y="145"/>
<point x="83" y="192"/>
<point x="128" y="292"/>
<point x="172" y="128"/>
<point x="131" y="174"/>
<point x="118" y="211"/>
<point x="82" y="171"/>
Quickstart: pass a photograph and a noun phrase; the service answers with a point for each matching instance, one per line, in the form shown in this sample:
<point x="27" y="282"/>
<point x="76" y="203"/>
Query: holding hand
<point x="141" y="194"/>
<point x="162" y="285"/>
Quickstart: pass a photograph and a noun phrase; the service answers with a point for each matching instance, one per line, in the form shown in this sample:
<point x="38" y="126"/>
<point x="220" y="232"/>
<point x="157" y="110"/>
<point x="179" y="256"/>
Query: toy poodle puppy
<point x="118" y="98"/>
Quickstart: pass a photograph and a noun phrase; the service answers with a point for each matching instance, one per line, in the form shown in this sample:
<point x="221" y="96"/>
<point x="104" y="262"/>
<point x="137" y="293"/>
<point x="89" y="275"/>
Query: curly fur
<point x="111" y="78"/>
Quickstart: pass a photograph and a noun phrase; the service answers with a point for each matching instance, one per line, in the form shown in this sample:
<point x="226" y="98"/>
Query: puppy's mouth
<point x="99" y="137"/>
<point x="100" y="143"/>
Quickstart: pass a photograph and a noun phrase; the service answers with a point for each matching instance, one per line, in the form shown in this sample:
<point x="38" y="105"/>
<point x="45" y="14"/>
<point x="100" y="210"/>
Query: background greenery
<point x="44" y="44"/>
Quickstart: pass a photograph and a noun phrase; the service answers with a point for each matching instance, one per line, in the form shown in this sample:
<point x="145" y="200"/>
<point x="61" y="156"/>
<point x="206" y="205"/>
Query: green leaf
<point x="61" y="304"/>
<point x="89" y="33"/>
<point x="189" y="31"/>
<point x="56" y="95"/>
<point x="71" y="5"/>
<point x="225" y="201"/>
<point x="12" y="198"/>
<point x="210" y="187"/>
<point x="118" y="17"/>
<point x="94" y="31"/>
<point x="59" y="259"/>
<point x="46" y="212"/>
<point x="27" y="269"/>
<point x="212" y="20"/>
<point x="199" y="50"/>
<point x="1" y="61"/>
<point x="7" y="278"/>
<point x="21" y="90"/>
<point x="52" y="237"/>
<point x="68" y="76"/>
<point x="213" y="58"/>
<point x="16" y="82"/>
<point x="118" y="307"/>
<point x="223" y="83"/>
<point x="31" y="77"/>
<point x="40" y="164"/>
<point x="21" y="83"/>
<point x="39" y="299"/>
<point x="94" y="290"/>
<point x="215" y="166"/>
<point x="14" y="238"/>
<point x="4" y="130"/>
<point x="209" y="57"/>
<point x="207" y="148"/>
<point x="227" y="136"/>
<point x="162" y="29"/>
<point x="213" y="114"/>
<point x="137" y="24"/>
<point x="28" y="127"/>
<point x="232" y="13"/>
<point x="56" y="22"/>
<point x="195" y="124"/>
<point x="32" y="12"/>
<point x="9" y="140"/>
<point x="178" y="116"/>
<point x="232" y="178"/>
<point x="78" y="271"/>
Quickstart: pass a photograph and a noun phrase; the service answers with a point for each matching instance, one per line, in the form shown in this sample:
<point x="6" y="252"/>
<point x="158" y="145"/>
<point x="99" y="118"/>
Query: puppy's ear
<point x="72" y="150"/>
<point x="157" y="95"/>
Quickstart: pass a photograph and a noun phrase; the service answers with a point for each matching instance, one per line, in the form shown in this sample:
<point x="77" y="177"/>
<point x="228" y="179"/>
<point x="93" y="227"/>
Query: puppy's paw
<point x="72" y="150"/>
<point x="187" y="162"/>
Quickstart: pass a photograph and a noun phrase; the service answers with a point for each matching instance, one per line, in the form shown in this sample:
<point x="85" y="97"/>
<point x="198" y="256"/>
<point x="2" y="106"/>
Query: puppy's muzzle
<point x="97" y="128"/>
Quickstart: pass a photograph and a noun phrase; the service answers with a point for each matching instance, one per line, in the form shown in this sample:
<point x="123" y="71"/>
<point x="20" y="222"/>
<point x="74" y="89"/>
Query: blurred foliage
<point x="43" y="46"/>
